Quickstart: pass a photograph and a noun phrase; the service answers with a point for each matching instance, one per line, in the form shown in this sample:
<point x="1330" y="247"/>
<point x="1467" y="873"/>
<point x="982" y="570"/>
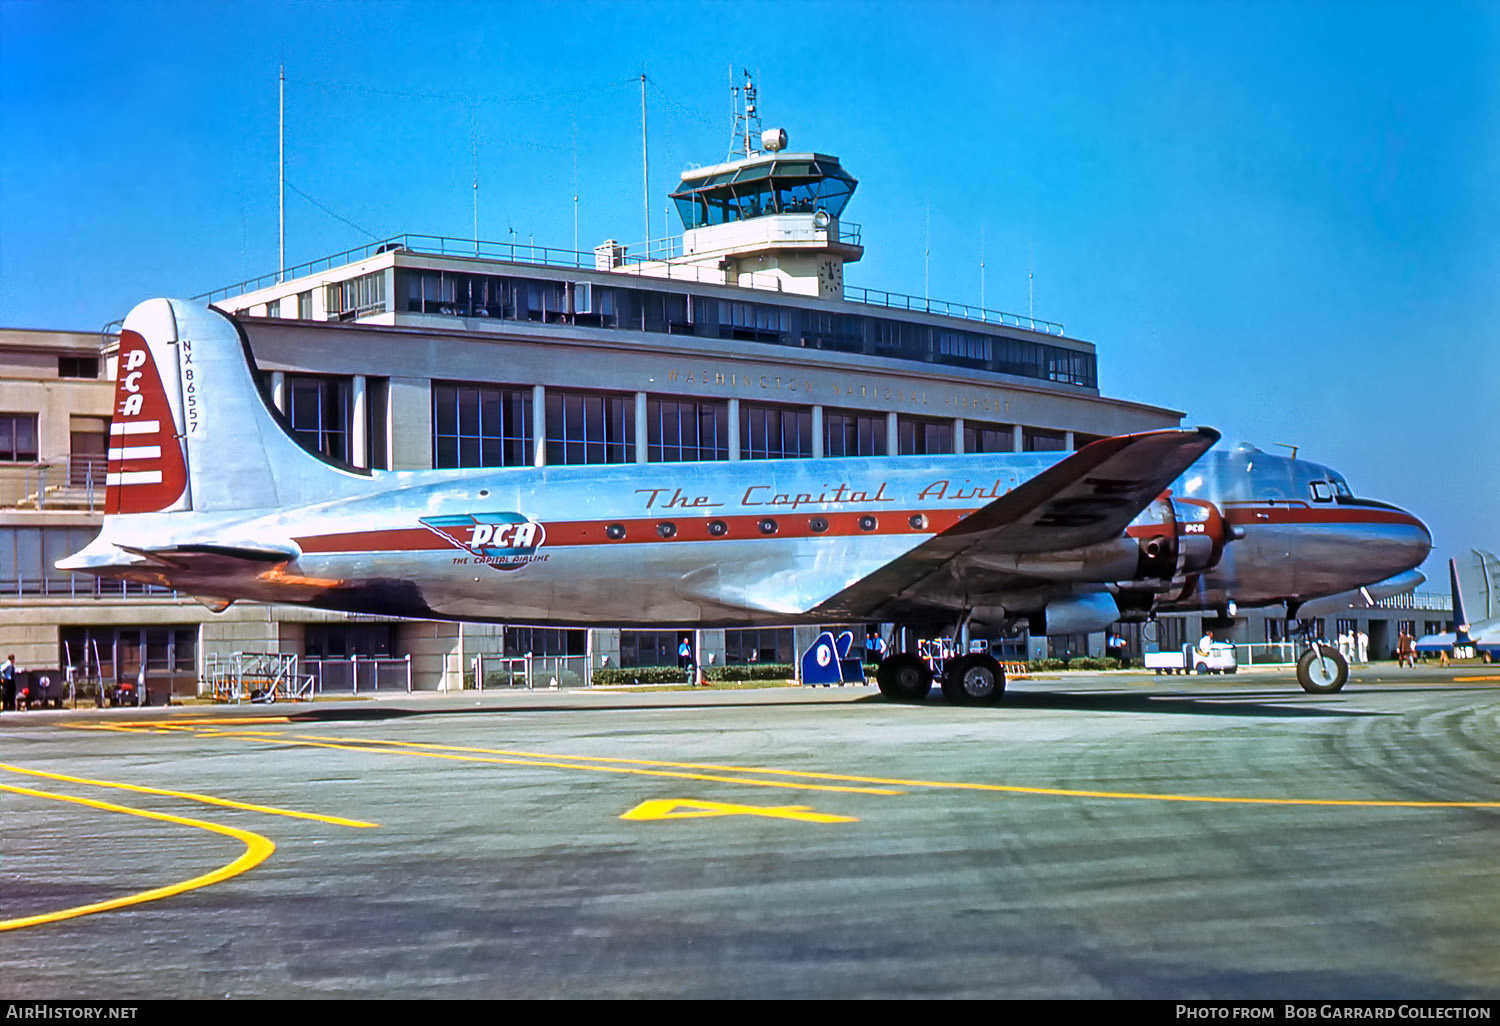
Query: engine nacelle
<point x="1076" y="614"/>
<point x="1176" y="539"/>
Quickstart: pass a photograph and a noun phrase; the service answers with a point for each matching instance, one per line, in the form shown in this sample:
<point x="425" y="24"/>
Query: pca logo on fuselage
<point x="505" y="541"/>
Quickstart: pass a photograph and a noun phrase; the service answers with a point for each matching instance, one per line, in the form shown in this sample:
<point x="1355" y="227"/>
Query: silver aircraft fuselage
<point x="208" y="494"/>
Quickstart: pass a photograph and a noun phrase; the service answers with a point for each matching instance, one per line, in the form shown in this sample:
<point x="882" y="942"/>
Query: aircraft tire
<point x="974" y="680"/>
<point x="904" y="678"/>
<point x="1322" y="676"/>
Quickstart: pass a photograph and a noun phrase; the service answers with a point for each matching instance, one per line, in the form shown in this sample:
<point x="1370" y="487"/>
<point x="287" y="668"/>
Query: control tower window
<point x="762" y="186"/>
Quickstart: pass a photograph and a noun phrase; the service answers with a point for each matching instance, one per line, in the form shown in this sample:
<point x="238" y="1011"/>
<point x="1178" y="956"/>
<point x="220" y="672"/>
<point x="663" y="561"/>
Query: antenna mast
<point x="281" y="171"/>
<point x="748" y="117"/>
<point x="474" y="145"/>
<point x="645" y="175"/>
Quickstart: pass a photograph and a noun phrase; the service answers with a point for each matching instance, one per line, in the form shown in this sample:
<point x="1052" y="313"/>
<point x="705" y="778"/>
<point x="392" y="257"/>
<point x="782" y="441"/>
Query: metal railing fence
<point x="650" y="264"/>
<point x="67" y="482"/>
<point x="528" y="671"/>
<point x="359" y="674"/>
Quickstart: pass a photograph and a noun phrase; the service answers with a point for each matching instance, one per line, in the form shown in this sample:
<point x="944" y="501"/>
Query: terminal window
<point x="853" y="434"/>
<point x="924" y="437"/>
<point x="684" y="430"/>
<point x="989" y="438"/>
<point x="766" y="645"/>
<point x="587" y="428"/>
<point x="18" y="437"/>
<point x="78" y="367"/>
<point x="318" y="409"/>
<point x="481" y="426"/>
<point x="648" y="648"/>
<point x="775" y="432"/>
<point x="1038" y="440"/>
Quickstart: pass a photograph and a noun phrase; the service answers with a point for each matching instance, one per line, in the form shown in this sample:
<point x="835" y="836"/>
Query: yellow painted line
<point x="880" y="785"/>
<point x="886" y="782"/>
<point x="207" y="799"/>
<point x="1477" y="678"/>
<point x="257" y="850"/>
<point x="397" y="748"/>
<point x="669" y="808"/>
<point x="607" y="759"/>
<point x="184" y="720"/>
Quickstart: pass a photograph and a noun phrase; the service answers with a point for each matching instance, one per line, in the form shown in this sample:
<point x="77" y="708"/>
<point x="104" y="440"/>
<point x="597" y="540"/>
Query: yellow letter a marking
<point x="682" y="808"/>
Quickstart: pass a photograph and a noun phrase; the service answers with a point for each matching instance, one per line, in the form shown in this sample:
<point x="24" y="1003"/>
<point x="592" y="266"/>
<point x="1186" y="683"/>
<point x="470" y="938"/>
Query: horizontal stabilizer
<point x="189" y="557"/>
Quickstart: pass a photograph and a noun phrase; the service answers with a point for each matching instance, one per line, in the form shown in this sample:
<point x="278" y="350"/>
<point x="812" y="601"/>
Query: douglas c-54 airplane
<point x="209" y="494"/>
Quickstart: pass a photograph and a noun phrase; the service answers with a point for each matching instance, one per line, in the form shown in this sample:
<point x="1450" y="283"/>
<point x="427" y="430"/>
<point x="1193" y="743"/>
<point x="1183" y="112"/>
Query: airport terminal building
<point x="736" y="341"/>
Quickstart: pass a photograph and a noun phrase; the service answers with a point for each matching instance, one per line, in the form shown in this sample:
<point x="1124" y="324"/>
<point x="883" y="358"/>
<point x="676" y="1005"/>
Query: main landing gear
<point x="969" y="679"/>
<point x="904" y="678"/>
<point x="976" y="679"/>
<point x="1322" y="669"/>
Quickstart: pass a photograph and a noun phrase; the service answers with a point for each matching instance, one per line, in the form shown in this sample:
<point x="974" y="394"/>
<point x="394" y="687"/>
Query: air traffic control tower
<point x="768" y="220"/>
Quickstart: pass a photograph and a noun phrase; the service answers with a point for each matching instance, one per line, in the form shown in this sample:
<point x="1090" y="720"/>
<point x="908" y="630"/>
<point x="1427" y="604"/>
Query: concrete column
<point x="539" y="426"/>
<point x="278" y="390"/>
<point x="408" y="424"/>
<point x="958" y="436"/>
<point x="359" y="427"/>
<point x="817" y="432"/>
<point x="734" y="429"/>
<point x="892" y="439"/>
<point x="1068" y="441"/>
<point x="604" y="647"/>
<point x="1016" y="435"/>
<point x="712" y="652"/>
<point x="436" y="651"/>
<point x="642" y="451"/>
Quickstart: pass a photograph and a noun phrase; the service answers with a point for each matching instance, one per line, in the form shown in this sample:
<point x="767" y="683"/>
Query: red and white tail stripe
<point x="146" y="471"/>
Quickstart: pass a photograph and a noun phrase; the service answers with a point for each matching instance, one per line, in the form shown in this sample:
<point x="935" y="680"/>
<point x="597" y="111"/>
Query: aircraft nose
<point x="1409" y="542"/>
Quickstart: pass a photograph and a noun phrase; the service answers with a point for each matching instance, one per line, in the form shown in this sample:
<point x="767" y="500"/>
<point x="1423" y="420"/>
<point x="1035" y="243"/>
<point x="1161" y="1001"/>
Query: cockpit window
<point x="1322" y="491"/>
<point x="1341" y="488"/>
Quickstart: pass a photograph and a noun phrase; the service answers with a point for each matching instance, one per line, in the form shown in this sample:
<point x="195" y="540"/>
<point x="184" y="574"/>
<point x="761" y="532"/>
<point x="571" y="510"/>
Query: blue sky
<point x="1282" y="218"/>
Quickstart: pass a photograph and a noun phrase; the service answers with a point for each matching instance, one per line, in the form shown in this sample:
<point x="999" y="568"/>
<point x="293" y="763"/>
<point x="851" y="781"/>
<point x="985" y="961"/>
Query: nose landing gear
<point x="1322" y="669"/>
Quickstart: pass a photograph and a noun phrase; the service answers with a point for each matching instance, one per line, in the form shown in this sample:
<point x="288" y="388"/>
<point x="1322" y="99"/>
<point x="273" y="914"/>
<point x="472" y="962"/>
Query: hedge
<point x="618" y="675"/>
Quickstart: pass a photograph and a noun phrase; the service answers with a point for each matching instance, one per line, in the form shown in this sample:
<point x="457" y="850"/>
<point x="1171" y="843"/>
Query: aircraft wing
<point x="1087" y="498"/>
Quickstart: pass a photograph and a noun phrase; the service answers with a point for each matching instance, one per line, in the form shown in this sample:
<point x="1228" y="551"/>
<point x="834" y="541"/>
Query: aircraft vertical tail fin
<point x="192" y="429"/>
<point x="147" y="462"/>
<point x="1460" y="618"/>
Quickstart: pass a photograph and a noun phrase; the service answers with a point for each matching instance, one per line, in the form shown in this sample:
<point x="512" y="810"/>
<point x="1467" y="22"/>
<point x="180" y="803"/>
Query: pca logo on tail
<point x="505" y="541"/>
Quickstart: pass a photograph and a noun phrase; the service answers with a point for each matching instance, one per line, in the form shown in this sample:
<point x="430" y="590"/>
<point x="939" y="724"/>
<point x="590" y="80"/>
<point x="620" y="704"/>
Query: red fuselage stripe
<point x="648" y="529"/>
<point x="740" y="527"/>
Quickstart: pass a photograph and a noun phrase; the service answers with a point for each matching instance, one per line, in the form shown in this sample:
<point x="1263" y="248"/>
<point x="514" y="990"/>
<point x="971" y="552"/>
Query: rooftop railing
<point x="652" y="263"/>
<point x="1423" y="600"/>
